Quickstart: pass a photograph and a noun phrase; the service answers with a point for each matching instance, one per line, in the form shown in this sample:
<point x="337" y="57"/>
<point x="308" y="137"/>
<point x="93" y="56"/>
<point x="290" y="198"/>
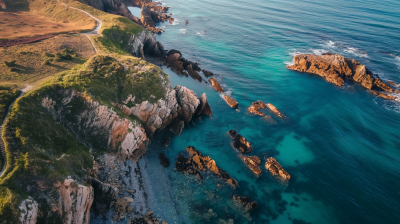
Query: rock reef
<point x="253" y="162"/>
<point x="231" y="102"/>
<point x="198" y="162"/>
<point x="337" y="68"/>
<point x="216" y="85"/>
<point x="240" y="143"/>
<point x="276" y="169"/>
<point x="246" y="202"/>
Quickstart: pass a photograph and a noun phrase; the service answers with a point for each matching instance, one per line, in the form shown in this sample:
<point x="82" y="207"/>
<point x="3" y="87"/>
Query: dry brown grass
<point x="31" y="23"/>
<point x="30" y="58"/>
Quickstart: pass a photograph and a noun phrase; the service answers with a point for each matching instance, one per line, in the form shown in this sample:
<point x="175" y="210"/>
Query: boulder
<point x="274" y="110"/>
<point x="383" y="95"/>
<point x="239" y="142"/>
<point x="204" y="107"/>
<point x="245" y="201"/>
<point x="188" y="101"/>
<point x="164" y="161"/>
<point x="193" y="73"/>
<point x="198" y="162"/>
<point x="255" y="107"/>
<point x="276" y="169"/>
<point x="337" y="68"/>
<point x="216" y="85"/>
<point x="231" y="102"/>
<point x="253" y="162"/>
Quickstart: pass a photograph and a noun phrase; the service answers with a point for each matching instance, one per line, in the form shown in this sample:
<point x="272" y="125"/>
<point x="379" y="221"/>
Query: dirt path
<point x="95" y="32"/>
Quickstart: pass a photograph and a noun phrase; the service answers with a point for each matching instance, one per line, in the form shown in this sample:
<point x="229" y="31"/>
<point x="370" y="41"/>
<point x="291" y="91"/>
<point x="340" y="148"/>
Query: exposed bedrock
<point x="246" y="202"/>
<point x="198" y="162"/>
<point x="240" y="143"/>
<point x="182" y="66"/>
<point x="216" y="85"/>
<point x="276" y="169"/>
<point x="337" y="68"/>
<point x="231" y="102"/>
<point x="253" y="162"/>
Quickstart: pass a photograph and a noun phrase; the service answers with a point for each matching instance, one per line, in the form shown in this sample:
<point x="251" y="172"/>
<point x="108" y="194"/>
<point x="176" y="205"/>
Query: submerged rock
<point x="391" y="83"/>
<point x="198" y="162"/>
<point x="231" y="102"/>
<point x="148" y="218"/>
<point x="240" y="143"/>
<point x="164" y="161"/>
<point x="166" y="141"/>
<point x="245" y="201"/>
<point x="383" y="95"/>
<point x="253" y="162"/>
<point x="216" y="85"/>
<point x="276" y="169"/>
<point x="337" y="68"/>
<point x="207" y="73"/>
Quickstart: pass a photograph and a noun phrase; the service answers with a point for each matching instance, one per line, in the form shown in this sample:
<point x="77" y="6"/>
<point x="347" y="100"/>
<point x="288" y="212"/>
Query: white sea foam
<point x="319" y="51"/>
<point x="295" y="53"/>
<point x="182" y="31"/>
<point x="356" y="52"/>
<point x="288" y="63"/>
<point x="201" y="33"/>
<point x="175" y="22"/>
<point x="331" y="44"/>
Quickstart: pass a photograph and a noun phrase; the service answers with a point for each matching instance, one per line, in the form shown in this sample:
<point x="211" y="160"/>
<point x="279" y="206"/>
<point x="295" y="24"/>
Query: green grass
<point x="8" y="94"/>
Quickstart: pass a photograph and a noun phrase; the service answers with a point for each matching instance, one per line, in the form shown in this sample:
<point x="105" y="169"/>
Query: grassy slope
<point x="35" y="142"/>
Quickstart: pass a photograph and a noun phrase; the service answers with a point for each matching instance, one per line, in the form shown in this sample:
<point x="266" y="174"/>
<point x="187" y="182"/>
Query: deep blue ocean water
<point x="341" y="145"/>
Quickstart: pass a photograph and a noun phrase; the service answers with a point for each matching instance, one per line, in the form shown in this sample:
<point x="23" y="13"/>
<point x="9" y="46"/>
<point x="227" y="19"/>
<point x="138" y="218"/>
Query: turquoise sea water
<point x="341" y="145"/>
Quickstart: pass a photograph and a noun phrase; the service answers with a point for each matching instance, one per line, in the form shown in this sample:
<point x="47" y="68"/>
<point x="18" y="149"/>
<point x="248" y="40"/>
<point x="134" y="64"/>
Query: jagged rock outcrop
<point x="239" y="142"/>
<point x="105" y="196"/>
<point x="253" y="162"/>
<point x="204" y="107"/>
<point x="28" y="211"/>
<point x="216" y="85"/>
<point x="164" y="161"/>
<point x="128" y="139"/>
<point x="276" y="169"/>
<point x="177" y="126"/>
<point x="70" y="201"/>
<point x="142" y="44"/>
<point x="255" y="109"/>
<point x="182" y="66"/>
<point x="383" y="95"/>
<point x="337" y="68"/>
<point x="245" y="201"/>
<point x="188" y="101"/>
<point x="231" y="102"/>
<point x="198" y="162"/>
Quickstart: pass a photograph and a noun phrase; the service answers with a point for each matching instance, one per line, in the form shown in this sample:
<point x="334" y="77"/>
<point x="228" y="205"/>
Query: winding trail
<point x="2" y="146"/>
<point x="95" y="32"/>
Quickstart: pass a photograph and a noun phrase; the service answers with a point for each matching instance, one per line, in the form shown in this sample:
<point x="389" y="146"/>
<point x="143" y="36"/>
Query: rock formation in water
<point x="207" y="73"/>
<point x="336" y="69"/>
<point x="239" y="142"/>
<point x="256" y="107"/>
<point x="274" y="110"/>
<point x="246" y="202"/>
<point x="164" y="161"/>
<point x="253" y="162"/>
<point x="216" y="85"/>
<point x="231" y="102"/>
<point x="166" y="141"/>
<point x="383" y="95"/>
<point x="276" y="169"/>
<point x="198" y="162"/>
<point x="182" y="66"/>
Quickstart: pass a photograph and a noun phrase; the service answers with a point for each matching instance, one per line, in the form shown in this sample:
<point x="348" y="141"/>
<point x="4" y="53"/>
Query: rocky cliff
<point x="109" y="110"/>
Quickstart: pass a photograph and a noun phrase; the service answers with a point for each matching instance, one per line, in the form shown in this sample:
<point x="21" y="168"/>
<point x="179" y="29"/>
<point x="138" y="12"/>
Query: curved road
<point x="96" y="32"/>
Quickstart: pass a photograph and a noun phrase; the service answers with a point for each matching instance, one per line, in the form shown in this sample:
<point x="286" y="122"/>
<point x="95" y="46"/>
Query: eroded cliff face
<point x="144" y="44"/>
<point x="70" y="201"/>
<point x="97" y="125"/>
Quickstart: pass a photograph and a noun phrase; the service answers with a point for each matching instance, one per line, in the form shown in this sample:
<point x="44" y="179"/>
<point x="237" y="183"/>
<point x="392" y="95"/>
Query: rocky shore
<point x="337" y="69"/>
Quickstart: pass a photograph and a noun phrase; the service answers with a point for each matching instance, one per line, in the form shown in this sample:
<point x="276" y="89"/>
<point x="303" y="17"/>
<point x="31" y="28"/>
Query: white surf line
<point x="96" y="31"/>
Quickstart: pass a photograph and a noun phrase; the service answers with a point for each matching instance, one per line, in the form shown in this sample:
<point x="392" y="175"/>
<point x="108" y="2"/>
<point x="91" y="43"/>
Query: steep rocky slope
<point x="75" y="141"/>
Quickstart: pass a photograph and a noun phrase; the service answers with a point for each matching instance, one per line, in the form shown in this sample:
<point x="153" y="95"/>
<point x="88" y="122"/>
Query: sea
<point x="341" y="145"/>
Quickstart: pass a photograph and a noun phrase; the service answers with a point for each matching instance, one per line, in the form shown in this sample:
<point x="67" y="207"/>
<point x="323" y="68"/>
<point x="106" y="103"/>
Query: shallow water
<point x="340" y="144"/>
